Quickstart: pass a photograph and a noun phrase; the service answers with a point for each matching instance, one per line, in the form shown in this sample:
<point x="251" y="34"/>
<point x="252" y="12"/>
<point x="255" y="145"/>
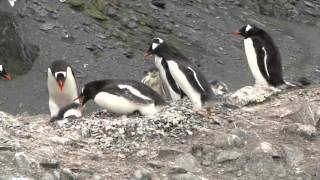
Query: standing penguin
<point x="4" y="73"/>
<point x="62" y="86"/>
<point x="122" y="96"/>
<point x="263" y="56"/>
<point x="181" y="76"/>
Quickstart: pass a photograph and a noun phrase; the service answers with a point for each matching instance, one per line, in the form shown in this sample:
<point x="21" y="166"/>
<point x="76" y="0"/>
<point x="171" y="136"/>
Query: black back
<point x="63" y="110"/>
<point x="262" y="39"/>
<point x="91" y="89"/>
<point x="273" y="58"/>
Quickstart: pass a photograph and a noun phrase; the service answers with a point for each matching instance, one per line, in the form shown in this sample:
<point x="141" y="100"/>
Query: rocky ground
<point x="278" y="139"/>
<point x="107" y="40"/>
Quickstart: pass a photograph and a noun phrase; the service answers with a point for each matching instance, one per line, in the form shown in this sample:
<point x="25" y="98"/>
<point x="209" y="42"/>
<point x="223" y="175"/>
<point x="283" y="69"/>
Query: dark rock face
<point x="17" y="55"/>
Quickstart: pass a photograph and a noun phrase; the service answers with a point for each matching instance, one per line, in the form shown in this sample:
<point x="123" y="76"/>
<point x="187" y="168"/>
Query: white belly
<point x="253" y="63"/>
<point x="121" y="105"/>
<point x="185" y="85"/>
<point x="58" y="99"/>
<point x="174" y="96"/>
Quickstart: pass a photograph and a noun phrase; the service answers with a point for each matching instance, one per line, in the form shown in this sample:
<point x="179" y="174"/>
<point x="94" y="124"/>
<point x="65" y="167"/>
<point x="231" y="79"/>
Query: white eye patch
<point x="155" y="45"/>
<point x="248" y="28"/>
<point x="60" y="72"/>
<point x="1" y="68"/>
<point x="82" y="90"/>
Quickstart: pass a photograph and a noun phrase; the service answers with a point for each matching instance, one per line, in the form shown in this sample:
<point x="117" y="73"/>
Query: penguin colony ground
<point x="174" y="77"/>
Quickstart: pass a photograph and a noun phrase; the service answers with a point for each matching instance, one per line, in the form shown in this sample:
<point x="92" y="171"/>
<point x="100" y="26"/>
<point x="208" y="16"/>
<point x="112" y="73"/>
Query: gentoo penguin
<point x="69" y="111"/>
<point x="263" y="56"/>
<point x="62" y="86"/>
<point x="152" y="79"/>
<point x="219" y="88"/>
<point x="122" y="96"/>
<point x="179" y="74"/>
<point x="4" y="73"/>
<point x="12" y="2"/>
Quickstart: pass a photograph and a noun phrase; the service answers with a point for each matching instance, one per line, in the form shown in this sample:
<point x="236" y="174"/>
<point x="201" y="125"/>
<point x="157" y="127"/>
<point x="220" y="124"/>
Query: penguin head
<point x="248" y="31"/>
<point x="4" y="73"/>
<point x="60" y="71"/>
<point x="155" y="47"/>
<point x="88" y="92"/>
<point x="60" y="77"/>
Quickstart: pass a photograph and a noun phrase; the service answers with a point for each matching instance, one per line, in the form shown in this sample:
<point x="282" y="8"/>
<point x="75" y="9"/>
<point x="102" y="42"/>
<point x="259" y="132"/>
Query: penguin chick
<point x="152" y="79"/>
<point x="70" y="111"/>
<point x="122" y="96"/>
<point x="62" y="87"/>
<point x="219" y="88"/>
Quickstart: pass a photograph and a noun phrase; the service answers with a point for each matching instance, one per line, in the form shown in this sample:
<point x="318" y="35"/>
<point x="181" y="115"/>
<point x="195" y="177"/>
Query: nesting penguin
<point x="4" y="74"/>
<point x="180" y="75"/>
<point x="122" y="96"/>
<point x="263" y="56"/>
<point x="62" y="86"/>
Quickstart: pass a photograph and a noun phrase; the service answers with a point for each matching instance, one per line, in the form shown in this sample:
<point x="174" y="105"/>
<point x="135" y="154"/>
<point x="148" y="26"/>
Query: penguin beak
<point x="237" y="33"/>
<point x="146" y="55"/>
<point x="7" y="76"/>
<point x="61" y="85"/>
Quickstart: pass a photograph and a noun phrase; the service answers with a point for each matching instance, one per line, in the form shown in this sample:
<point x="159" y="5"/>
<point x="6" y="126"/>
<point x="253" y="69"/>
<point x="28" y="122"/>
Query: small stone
<point x="60" y="140"/>
<point x="294" y="156"/>
<point x="155" y="164"/>
<point x="159" y="3"/>
<point x="164" y="152"/>
<point x="142" y="174"/>
<point x="112" y="12"/>
<point x="227" y="156"/>
<point x="50" y="163"/>
<point x="14" y="178"/>
<point x="68" y="174"/>
<point x="142" y="153"/>
<point x="188" y="162"/>
<point x="22" y="160"/>
<point x="206" y="163"/>
<point x="186" y="176"/>
<point x="48" y="26"/>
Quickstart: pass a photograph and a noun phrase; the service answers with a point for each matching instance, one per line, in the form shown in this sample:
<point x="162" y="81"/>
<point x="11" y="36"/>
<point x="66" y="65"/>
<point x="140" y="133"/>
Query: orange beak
<point x="236" y="33"/>
<point x="146" y="55"/>
<point x="7" y="77"/>
<point x="61" y="86"/>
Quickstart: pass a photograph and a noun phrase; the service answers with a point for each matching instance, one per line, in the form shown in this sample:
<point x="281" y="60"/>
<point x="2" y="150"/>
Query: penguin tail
<point x="300" y="82"/>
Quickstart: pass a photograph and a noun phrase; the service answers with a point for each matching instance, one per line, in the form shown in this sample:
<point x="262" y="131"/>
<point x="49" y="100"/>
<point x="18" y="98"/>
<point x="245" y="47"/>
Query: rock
<point x="142" y="153"/>
<point x="48" y="26"/>
<point x="306" y="131"/>
<point x="188" y="162"/>
<point x="60" y="140"/>
<point x="223" y="140"/>
<point x="132" y="24"/>
<point x="186" y="176"/>
<point x="227" y="156"/>
<point x="142" y="174"/>
<point x="176" y="170"/>
<point x="251" y="95"/>
<point x="267" y="148"/>
<point x="155" y="164"/>
<point x="112" y="12"/>
<point x="306" y="113"/>
<point x="294" y="156"/>
<point x="22" y="160"/>
<point x="14" y="178"/>
<point x="159" y="3"/>
<point x="166" y="151"/>
<point x="49" y="163"/>
<point x="67" y="174"/>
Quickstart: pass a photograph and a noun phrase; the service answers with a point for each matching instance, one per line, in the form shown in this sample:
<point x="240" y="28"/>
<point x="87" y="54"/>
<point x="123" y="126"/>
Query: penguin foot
<point x="205" y="112"/>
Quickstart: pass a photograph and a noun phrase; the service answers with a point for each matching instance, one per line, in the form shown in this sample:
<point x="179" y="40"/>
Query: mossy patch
<point x="77" y="4"/>
<point x="95" y="9"/>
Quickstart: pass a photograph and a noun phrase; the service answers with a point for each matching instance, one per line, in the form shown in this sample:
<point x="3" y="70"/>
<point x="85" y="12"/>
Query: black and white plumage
<point x="4" y="74"/>
<point x="72" y="110"/>
<point x="62" y="86"/>
<point x="180" y="75"/>
<point x="263" y="56"/>
<point x="122" y="96"/>
<point x="219" y="88"/>
<point x="12" y="2"/>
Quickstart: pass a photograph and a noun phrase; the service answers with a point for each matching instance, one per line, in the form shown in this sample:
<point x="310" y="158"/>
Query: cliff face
<point x="106" y="39"/>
